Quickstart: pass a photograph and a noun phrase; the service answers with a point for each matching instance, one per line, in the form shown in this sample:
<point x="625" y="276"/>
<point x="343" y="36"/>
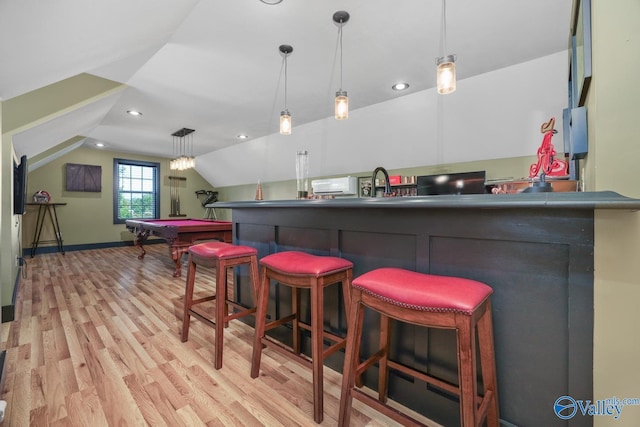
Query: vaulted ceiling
<point x="73" y="68"/>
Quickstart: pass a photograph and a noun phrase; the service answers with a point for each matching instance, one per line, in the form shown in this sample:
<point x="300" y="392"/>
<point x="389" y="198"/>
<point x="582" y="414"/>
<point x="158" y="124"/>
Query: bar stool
<point x="301" y="270"/>
<point x="221" y="256"/>
<point x="430" y="301"/>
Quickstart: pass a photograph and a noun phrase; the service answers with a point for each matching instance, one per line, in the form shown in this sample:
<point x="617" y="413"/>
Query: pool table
<point x="179" y="234"/>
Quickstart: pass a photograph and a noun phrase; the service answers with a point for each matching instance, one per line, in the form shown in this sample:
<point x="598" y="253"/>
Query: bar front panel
<point x="538" y="261"/>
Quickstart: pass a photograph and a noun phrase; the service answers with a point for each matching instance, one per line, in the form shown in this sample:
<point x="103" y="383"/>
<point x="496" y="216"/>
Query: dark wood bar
<point x="534" y="250"/>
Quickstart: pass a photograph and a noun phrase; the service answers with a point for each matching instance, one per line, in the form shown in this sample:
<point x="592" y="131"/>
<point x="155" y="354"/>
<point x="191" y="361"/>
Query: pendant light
<point x="342" y="100"/>
<point x="446" y="64"/>
<point x="182" y="150"/>
<point x="285" y="116"/>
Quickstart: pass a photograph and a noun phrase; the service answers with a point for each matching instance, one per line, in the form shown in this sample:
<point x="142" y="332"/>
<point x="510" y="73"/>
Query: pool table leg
<point x="141" y="236"/>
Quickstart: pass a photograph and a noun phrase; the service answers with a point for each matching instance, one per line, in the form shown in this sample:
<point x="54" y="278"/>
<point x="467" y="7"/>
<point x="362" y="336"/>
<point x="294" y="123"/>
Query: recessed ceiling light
<point x="400" y="86"/>
<point x="99" y="144"/>
<point x="134" y="113"/>
<point x="243" y="136"/>
<point x="271" y="2"/>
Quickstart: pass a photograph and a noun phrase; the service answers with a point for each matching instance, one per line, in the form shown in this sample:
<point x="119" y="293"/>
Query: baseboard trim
<point x="70" y="248"/>
<point x="2" y="376"/>
<point x="8" y="313"/>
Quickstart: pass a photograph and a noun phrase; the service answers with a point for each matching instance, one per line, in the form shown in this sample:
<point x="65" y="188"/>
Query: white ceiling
<point x="214" y="65"/>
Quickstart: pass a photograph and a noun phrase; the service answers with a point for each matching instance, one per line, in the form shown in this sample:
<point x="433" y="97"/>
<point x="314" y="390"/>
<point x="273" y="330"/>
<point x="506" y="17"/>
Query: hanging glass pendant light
<point x="446" y="74"/>
<point x="446" y="64"/>
<point x="285" y="116"/>
<point x="285" y="122"/>
<point x="342" y="100"/>
<point x="183" y="150"/>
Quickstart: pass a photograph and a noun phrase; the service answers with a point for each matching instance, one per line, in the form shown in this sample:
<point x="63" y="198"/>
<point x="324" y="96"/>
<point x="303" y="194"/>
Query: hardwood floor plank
<point x="189" y="416"/>
<point x="61" y="300"/>
<point x="69" y="382"/>
<point x="19" y="406"/>
<point x="119" y="406"/>
<point x="174" y="387"/>
<point x="37" y="345"/>
<point x="25" y="333"/>
<point x="53" y="390"/>
<point x="85" y="409"/>
<point x="151" y="413"/>
<point x="38" y="417"/>
<point x="83" y="376"/>
<point x="37" y="391"/>
<point x="198" y="399"/>
<point x="139" y="356"/>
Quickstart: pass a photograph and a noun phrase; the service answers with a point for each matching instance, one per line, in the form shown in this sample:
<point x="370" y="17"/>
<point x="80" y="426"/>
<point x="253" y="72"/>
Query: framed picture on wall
<point x="580" y="52"/>
<point x="364" y="187"/>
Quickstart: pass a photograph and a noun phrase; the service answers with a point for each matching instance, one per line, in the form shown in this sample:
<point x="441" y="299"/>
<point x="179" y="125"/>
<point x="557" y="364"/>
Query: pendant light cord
<point x="285" y="80"/>
<point x="443" y="36"/>
<point x="340" y="38"/>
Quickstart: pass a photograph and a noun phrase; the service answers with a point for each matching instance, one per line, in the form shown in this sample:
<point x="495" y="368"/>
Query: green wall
<point x="508" y="169"/>
<point x="9" y="223"/>
<point x="612" y="164"/>
<point x="88" y="217"/>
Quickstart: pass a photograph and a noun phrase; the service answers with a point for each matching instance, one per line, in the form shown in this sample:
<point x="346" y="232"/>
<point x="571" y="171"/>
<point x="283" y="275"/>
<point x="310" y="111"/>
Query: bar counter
<point x="534" y="249"/>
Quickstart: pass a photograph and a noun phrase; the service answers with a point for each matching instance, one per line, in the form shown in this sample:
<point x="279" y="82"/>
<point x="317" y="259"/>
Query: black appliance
<point x="452" y="183"/>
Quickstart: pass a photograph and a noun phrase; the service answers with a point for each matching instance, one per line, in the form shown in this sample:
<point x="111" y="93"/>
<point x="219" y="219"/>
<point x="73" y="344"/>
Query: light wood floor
<point x="96" y="342"/>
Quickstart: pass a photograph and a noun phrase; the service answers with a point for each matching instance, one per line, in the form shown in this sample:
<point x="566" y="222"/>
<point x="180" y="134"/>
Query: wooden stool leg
<point x="188" y="298"/>
<point x="221" y="310"/>
<point x="467" y="374"/>
<point x="295" y="325"/>
<point x="351" y="357"/>
<point x="383" y="372"/>
<point x="487" y="363"/>
<point x="317" y="327"/>
<point x="255" y="278"/>
<point x="346" y="293"/>
<point x="261" y="314"/>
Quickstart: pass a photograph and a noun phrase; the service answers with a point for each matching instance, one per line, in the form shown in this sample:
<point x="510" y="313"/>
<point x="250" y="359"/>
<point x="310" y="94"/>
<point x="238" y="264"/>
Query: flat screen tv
<point x="20" y="187"/>
<point x="452" y="183"/>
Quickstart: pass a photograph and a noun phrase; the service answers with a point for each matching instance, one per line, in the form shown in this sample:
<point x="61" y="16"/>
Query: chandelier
<point x="183" y="150"/>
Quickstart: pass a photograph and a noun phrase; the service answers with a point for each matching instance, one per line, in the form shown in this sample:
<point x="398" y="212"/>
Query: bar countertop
<point x="572" y="200"/>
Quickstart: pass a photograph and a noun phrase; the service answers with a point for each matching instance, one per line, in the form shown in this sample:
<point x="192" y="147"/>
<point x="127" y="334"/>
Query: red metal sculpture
<point x="547" y="163"/>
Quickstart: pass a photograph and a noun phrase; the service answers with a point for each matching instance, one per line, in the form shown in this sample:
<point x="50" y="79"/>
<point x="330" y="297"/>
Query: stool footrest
<point x="484" y="404"/>
<point x="242" y="313"/>
<point x="326" y="334"/>
<point x="370" y="361"/>
<point x="201" y="317"/>
<point x="424" y="377"/>
<point x="333" y="348"/>
<point x="286" y="350"/>
<point x="279" y="322"/>
<point x="201" y="300"/>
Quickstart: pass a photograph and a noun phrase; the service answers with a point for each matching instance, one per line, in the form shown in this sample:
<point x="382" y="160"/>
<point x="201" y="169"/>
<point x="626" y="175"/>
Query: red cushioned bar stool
<point x="223" y="257"/>
<point x="430" y="301"/>
<point x="300" y="270"/>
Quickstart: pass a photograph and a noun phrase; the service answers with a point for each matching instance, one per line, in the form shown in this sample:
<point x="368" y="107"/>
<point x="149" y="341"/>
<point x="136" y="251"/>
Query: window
<point x="136" y="190"/>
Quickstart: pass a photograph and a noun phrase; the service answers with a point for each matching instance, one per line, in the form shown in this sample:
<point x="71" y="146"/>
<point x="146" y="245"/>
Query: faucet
<point x="387" y="183"/>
